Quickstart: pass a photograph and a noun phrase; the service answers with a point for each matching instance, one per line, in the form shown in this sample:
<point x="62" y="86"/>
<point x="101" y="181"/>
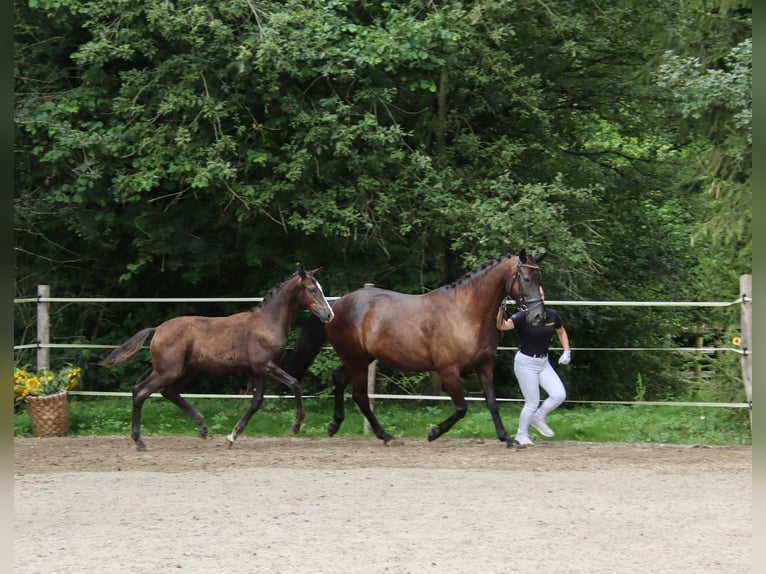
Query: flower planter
<point x="49" y="415"/>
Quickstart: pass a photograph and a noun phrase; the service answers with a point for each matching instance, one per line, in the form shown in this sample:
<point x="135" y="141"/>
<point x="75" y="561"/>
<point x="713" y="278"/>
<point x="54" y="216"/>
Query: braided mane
<point x="477" y="270"/>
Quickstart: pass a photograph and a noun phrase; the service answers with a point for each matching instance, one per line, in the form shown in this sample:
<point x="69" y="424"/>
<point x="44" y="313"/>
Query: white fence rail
<point x="43" y="344"/>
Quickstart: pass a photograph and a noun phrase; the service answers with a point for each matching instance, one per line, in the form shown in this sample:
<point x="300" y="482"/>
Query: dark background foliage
<point x="204" y="149"/>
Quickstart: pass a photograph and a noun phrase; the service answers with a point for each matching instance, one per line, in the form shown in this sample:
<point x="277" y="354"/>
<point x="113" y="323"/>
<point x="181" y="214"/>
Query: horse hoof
<point x="295" y="429"/>
<point x="332" y="429"/>
<point x="141" y="447"/>
<point x="433" y="434"/>
<point x="203" y="433"/>
<point x="516" y="444"/>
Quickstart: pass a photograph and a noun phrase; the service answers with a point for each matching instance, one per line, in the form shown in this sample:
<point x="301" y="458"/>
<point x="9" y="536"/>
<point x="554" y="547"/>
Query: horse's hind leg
<point x="142" y="391"/>
<point x="173" y="394"/>
<point x="486" y="377"/>
<point x="451" y="383"/>
<point x="362" y="400"/>
<point x="255" y="404"/>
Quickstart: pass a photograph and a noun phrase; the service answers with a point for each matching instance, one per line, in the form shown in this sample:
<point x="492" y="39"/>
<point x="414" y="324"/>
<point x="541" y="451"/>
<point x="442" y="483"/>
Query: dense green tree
<point x="708" y="74"/>
<point x="195" y="148"/>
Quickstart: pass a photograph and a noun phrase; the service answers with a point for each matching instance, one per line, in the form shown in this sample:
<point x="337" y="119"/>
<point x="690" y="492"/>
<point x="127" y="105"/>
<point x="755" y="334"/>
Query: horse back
<point x="409" y="332"/>
<point x="214" y="344"/>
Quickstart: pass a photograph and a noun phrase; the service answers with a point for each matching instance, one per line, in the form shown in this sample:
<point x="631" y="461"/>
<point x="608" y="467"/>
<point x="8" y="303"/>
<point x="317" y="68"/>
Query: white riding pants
<point x="533" y="373"/>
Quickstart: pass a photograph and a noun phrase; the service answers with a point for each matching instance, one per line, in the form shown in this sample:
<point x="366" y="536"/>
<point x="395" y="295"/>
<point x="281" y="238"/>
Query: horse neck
<point x="487" y="287"/>
<point x="280" y="305"/>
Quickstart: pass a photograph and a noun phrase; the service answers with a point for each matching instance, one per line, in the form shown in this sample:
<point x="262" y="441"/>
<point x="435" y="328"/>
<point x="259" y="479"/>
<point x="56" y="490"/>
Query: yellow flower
<point x="44" y="382"/>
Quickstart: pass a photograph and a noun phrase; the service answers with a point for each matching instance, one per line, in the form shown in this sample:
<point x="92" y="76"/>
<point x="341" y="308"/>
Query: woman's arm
<point x="501" y="323"/>
<point x="566" y="356"/>
<point x="561" y="333"/>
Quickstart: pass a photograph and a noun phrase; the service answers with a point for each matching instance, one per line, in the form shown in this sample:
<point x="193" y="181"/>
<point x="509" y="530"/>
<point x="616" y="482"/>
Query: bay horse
<point x="253" y="341"/>
<point x="448" y="330"/>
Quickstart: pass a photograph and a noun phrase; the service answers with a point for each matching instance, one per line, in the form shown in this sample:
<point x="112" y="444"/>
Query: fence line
<point x="745" y="301"/>
<point x="419" y="398"/>
<point x="45" y="299"/>
<point x="705" y="350"/>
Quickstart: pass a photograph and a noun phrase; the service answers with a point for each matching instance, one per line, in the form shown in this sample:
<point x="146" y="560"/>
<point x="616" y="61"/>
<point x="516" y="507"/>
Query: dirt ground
<point x="354" y="505"/>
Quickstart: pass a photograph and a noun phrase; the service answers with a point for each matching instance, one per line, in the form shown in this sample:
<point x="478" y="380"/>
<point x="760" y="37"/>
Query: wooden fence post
<point x="371" y="371"/>
<point x="746" y="328"/>
<point x="43" y="327"/>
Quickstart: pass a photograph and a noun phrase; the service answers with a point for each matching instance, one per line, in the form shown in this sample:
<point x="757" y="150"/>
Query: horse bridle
<point x="522" y="302"/>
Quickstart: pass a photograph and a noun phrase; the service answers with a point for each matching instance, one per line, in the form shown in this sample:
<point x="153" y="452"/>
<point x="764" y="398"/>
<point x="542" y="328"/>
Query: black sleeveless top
<point x="535" y="339"/>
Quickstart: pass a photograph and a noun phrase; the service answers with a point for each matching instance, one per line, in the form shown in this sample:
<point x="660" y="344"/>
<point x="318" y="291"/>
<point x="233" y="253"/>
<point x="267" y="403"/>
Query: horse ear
<point x="314" y="272"/>
<point x="539" y="257"/>
<point x="523" y="255"/>
<point x="301" y="271"/>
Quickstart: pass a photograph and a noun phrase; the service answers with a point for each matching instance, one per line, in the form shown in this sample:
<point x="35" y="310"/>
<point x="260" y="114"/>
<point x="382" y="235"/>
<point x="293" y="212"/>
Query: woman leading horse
<point x="449" y="330"/>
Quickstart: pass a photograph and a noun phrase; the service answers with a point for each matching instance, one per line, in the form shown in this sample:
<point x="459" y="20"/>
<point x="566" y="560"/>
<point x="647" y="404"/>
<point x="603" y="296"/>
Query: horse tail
<point x="307" y="346"/>
<point x="128" y="348"/>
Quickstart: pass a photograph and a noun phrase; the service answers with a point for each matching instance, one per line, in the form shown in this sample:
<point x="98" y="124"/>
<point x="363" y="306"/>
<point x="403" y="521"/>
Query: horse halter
<point x="523" y="302"/>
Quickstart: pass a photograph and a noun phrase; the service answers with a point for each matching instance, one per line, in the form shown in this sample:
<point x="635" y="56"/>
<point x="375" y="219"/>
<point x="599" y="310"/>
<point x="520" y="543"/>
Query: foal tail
<point x="128" y="348"/>
<point x="307" y="346"/>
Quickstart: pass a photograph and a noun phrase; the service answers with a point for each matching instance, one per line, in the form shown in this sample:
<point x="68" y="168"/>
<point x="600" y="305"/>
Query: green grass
<point x="92" y="416"/>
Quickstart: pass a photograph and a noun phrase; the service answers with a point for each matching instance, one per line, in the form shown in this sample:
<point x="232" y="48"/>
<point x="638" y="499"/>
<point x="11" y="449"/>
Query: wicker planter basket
<point x="49" y="416"/>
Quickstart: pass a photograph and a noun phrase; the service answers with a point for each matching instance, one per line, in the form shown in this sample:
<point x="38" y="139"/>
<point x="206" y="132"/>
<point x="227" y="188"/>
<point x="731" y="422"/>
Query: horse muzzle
<point x="535" y="311"/>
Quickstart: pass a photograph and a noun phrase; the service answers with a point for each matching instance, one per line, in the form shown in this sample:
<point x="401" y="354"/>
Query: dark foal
<point x="252" y="341"/>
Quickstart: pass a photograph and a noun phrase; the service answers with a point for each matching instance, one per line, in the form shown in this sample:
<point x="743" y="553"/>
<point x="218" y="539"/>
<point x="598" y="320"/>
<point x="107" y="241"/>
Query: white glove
<point x="565" y="357"/>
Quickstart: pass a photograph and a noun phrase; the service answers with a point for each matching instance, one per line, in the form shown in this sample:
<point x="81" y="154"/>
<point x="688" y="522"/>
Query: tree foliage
<point x="199" y="148"/>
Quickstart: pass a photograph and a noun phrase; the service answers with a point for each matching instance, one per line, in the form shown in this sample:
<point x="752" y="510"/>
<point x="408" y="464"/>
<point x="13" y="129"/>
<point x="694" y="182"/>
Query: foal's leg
<point x="486" y="377"/>
<point x="452" y="384"/>
<point x="142" y="391"/>
<point x="255" y="404"/>
<point x="274" y="372"/>
<point x="173" y="394"/>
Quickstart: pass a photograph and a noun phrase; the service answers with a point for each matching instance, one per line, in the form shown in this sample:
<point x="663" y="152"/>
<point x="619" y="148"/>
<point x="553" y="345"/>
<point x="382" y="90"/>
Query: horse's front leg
<point x="255" y="404"/>
<point x="300" y="414"/>
<point x="340" y="379"/>
<point x="486" y="377"/>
